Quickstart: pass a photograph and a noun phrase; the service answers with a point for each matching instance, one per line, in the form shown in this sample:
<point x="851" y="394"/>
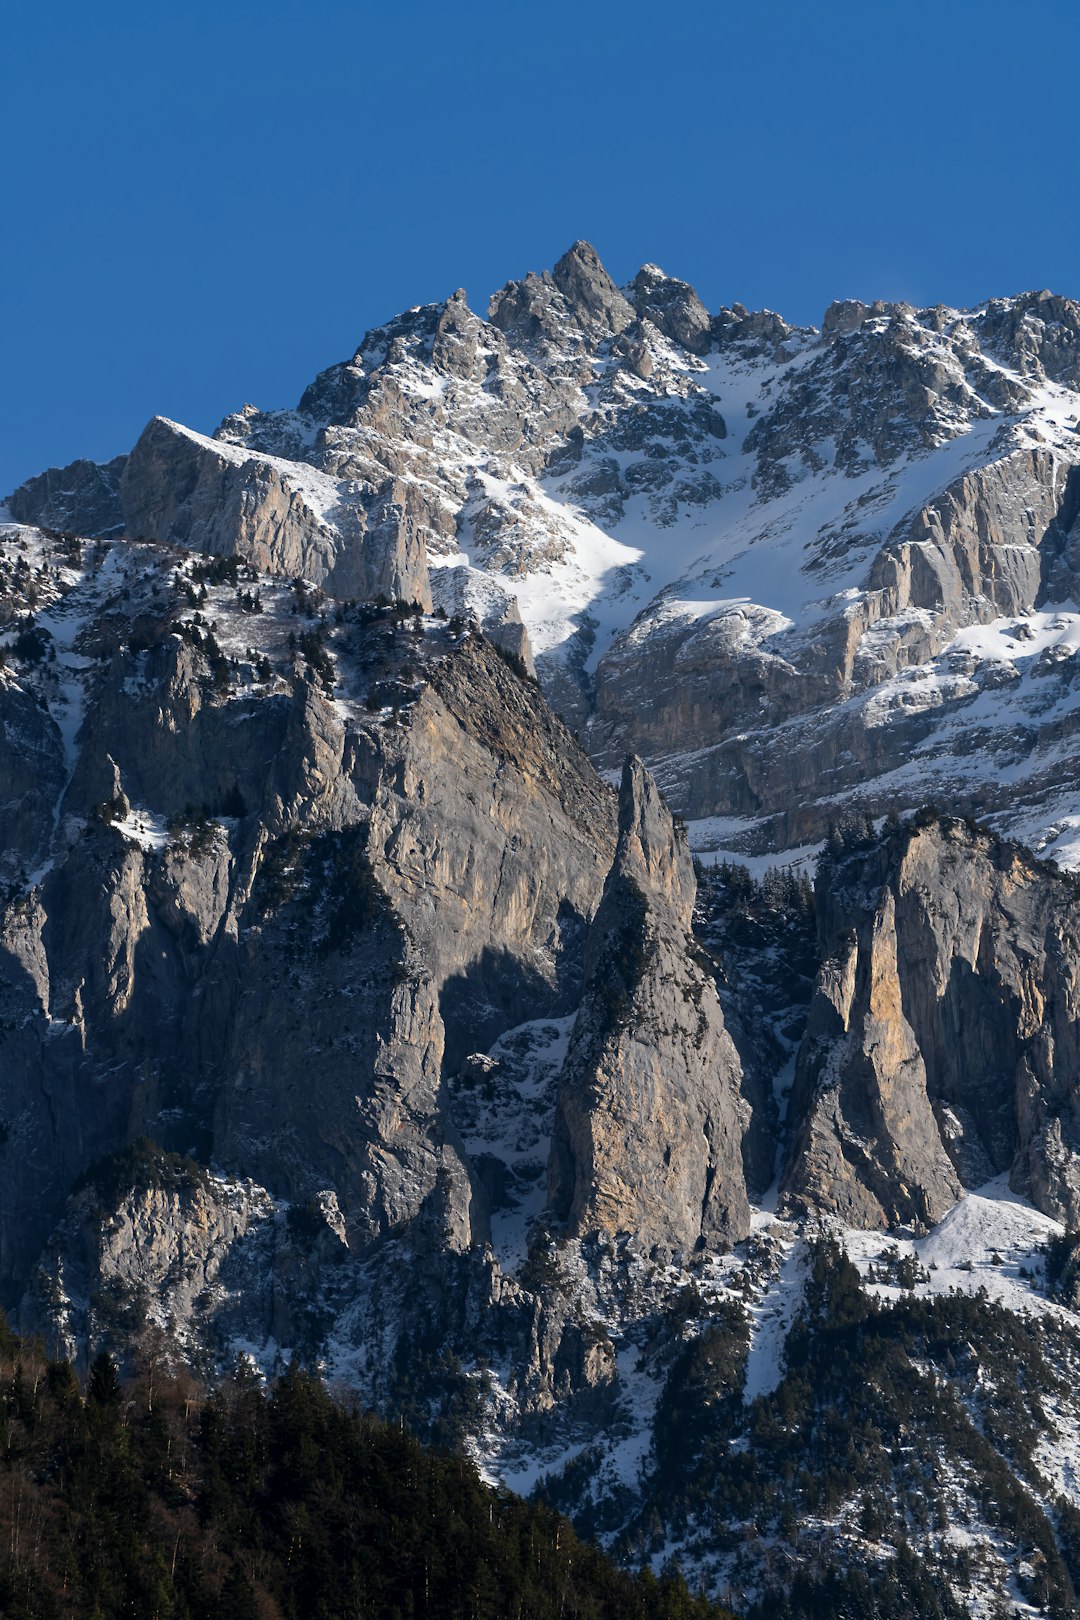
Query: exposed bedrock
<point x="943" y="1046"/>
<point x="282" y="517"/>
<point x="650" y="1119"/>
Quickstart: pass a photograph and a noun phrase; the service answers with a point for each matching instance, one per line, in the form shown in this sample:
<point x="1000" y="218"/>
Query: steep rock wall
<point x="650" y="1120"/>
<point x="943" y="1046"/>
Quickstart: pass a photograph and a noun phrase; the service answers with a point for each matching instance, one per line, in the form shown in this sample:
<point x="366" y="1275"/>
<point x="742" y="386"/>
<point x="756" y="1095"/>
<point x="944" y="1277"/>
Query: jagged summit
<point x="707" y="530"/>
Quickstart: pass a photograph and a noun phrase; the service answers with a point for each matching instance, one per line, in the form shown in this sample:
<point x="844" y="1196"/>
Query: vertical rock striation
<point x="943" y="1046"/>
<point x="650" y="1120"/>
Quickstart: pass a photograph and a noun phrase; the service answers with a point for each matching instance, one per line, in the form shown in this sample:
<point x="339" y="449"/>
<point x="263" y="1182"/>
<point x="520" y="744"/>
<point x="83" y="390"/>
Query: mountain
<point x="350" y="1011"/>
<point x="721" y="533"/>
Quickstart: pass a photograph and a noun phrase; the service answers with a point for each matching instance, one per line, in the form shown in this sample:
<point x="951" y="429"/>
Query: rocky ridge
<point x="710" y="530"/>
<point x="345" y="1013"/>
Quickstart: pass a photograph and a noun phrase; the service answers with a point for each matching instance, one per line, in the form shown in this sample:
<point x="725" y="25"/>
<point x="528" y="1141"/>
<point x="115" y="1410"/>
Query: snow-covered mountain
<point x="347" y="1011"/>
<point x="792" y="569"/>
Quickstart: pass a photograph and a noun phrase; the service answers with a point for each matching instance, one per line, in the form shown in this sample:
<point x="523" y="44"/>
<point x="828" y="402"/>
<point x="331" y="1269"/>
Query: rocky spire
<point x="650" y="1120"/>
<point x="673" y="307"/>
<point x="653" y="853"/>
<point x="590" y="291"/>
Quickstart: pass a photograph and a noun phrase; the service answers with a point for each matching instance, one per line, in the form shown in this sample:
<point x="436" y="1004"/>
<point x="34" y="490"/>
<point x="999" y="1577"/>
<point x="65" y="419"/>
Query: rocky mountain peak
<point x="692" y="527"/>
<point x="305" y="880"/>
<point x="1038" y="333"/>
<point x="596" y="301"/>
<point x="653" y="851"/>
<point x="673" y="307"/>
<point x="844" y="315"/>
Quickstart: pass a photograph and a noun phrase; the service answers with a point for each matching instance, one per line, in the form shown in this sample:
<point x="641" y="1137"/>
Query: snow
<point x="529" y="1469"/>
<point x="641" y="1388"/>
<point x="553" y="596"/>
<point x="1057" y="1457"/>
<point x="959" y="1253"/>
<point x="142" y="827"/>
<point x="325" y="496"/>
<point x="512" y="1118"/>
<point x="1063" y="843"/>
<point x="764" y="569"/>
<point x="771" y="1317"/>
<point x="1017" y="640"/>
<point x="63" y="683"/>
<point x="716" y="839"/>
<point x="758" y="550"/>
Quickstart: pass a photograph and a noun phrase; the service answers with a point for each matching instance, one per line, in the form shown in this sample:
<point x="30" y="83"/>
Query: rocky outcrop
<point x="83" y="498"/>
<point x="980" y="551"/>
<point x="271" y="916"/>
<point x="650" y="1120"/>
<point x="1039" y="332"/>
<point x="577" y="294"/>
<point x="869" y="1149"/>
<point x="138" y="1260"/>
<point x="673" y="307"/>
<point x="776" y="724"/>
<point x="207" y="494"/>
<point x="944" y="1036"/>
<point x="461" y="595"/>
<point x="596" y="301"/>
<point x="910" y="471"/>
<point x="32" y="769"/>
<point x="883" y="386"/>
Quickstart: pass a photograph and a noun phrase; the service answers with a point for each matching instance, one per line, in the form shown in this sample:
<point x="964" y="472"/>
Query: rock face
<point x="347" y="1013"/>
<point x="942" y="1045"/>
<point x="673" y="307"/>
<point x="894" y="672"/>
<point x="590" y="291"/>
<point x="146" y="1247"/>
<point x="276" y="890"/>
<point x="650" y="1120"/>
<point x="593" y="475"/>
<point x="83" y="498"/>
<point x="32" y="767"/>
<point x="191" y="491"/>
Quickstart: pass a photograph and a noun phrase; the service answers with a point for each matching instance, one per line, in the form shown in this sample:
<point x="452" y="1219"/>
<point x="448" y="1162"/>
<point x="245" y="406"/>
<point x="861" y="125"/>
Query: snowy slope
<point x="694" y="528"/>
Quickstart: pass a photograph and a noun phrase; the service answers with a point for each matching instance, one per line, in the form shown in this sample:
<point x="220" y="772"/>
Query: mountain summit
<point x="862" y="536"/>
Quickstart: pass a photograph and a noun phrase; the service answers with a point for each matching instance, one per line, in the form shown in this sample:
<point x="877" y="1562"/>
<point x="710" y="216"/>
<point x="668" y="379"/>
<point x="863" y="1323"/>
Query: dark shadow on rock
<point x="499" y="991"/>
<point x="1060" y="548"/>
<point x="495" y="993"/>
<point x="970" y="1047"/>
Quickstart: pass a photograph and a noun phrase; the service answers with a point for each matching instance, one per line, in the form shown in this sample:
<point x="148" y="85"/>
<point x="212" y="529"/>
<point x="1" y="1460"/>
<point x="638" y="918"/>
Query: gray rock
<point x="278" y="985"/>
<point x="942" y="1041"/>
<point x="83" y="497"/>
<point x="673" y="307"/>
<point x="650" y="1120"/>
<point x="597" y="303"/>
<point x="844" y="315"/>
<point x="180" y="488"/>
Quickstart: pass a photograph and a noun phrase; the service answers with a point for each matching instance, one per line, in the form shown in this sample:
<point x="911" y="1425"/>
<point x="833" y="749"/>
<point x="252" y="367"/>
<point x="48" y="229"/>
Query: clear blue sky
<point x="205" y="204"/>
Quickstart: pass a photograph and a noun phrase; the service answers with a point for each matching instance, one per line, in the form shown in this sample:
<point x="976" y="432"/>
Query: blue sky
<point x="206" y="204"/>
